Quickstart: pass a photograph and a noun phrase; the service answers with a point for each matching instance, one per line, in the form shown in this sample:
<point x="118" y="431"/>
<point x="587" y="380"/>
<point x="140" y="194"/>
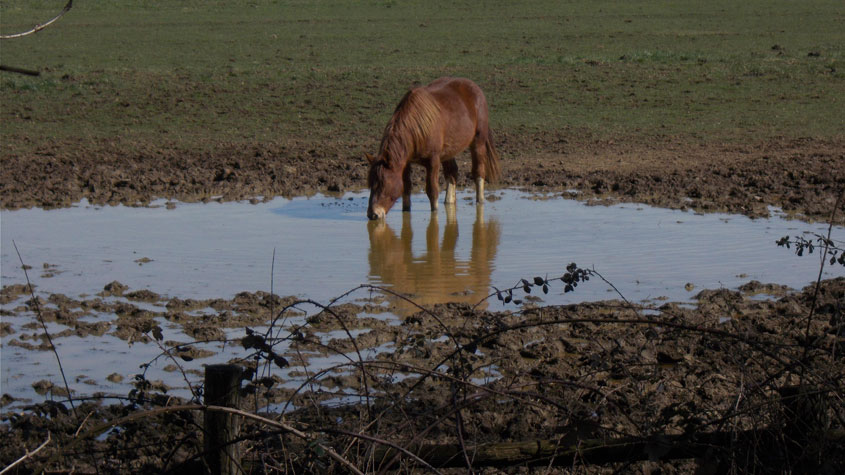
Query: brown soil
<point x="605" y="372"/>
<point x="599" y="371"/>
<point x="800" y="176"/>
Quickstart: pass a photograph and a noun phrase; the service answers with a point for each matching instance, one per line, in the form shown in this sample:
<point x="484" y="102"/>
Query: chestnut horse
<point x="430" y="126"/>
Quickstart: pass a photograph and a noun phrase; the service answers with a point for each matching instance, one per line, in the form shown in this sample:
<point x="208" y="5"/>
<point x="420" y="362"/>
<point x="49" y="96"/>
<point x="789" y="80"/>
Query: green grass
<point x="195" y="73"/>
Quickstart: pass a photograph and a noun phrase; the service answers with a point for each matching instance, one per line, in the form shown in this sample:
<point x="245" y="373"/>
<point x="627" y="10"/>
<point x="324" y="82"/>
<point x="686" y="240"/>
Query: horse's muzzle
<point x="375" y="212"/>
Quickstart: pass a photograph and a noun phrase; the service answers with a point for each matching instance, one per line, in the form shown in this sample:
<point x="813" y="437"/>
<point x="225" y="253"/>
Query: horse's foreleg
<point x="431" y="187"/>
<point x="450" y="172"/>
<point x="406" y="188"/>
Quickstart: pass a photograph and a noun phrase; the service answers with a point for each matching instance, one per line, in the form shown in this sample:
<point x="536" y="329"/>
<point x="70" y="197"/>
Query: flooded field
<point x="321" y="247"/>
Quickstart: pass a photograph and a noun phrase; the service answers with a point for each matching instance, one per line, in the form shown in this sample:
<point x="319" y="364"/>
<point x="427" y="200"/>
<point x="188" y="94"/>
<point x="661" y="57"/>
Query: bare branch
<point x="13" y="69"/>
<point x="37" y="309"/>
<point x="40" y="27"/>
<point x="27" y="455"/>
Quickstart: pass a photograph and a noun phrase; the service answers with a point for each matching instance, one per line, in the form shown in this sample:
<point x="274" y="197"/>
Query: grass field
<point x="197" y="73"/>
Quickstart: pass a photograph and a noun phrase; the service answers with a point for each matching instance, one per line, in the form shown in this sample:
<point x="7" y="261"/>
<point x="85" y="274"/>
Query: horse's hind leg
<point x="479" y="190"/>
<point x="450" y="172"/>
<point x="478" y="150"/>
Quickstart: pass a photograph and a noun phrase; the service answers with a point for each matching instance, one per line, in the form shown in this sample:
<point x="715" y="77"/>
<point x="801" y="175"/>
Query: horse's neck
<point x="399" y="151"/>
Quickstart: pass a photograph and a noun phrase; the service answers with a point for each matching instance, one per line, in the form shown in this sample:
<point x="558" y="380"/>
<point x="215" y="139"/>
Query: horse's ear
<point x="370" y="158"/>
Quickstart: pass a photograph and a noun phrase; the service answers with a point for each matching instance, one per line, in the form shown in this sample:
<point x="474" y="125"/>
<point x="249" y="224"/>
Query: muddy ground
<point x="456" y="375"/>
<point x="572" y="376"/>
<point x="800" y="176"/>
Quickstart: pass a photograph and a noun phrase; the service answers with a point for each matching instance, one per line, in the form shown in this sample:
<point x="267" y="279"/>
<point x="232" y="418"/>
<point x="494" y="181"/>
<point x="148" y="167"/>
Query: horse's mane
<point x="406" y="132"/>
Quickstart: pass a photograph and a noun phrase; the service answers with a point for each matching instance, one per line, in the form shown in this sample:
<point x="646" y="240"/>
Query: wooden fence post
<point x="222" y="385"/>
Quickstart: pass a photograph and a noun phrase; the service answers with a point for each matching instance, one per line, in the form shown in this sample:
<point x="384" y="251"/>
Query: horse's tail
<point x="491" y="160"/>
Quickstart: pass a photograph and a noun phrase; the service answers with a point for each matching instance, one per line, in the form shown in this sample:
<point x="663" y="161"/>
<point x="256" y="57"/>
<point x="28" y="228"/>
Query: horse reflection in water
<point x="437" y="275"/>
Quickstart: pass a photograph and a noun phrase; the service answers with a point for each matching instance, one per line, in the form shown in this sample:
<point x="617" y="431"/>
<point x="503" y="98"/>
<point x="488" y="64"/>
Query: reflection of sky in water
<point x="326" y="246"/>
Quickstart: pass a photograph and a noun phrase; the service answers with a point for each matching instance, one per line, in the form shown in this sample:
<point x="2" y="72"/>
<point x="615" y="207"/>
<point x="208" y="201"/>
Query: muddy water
<point x="324" y="246"/>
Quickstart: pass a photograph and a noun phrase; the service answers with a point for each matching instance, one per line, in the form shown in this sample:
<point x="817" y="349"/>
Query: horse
<point x="430" y="126"/>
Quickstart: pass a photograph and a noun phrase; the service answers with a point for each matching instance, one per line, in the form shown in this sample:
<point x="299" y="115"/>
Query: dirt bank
<point x="799" y="176"/>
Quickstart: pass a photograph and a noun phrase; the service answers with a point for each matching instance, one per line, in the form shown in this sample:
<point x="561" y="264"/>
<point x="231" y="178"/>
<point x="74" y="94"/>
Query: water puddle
<point x="325" y="246"/>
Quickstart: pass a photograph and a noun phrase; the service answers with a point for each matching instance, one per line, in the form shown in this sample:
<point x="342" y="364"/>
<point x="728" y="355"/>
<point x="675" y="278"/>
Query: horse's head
<point x="385" y="187"/>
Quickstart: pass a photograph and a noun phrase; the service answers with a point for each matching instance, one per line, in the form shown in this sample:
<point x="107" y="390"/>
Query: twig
<point x="198" y="407"/>
<point x="383" y="442"/>
<point x="14" y="69"/>
<point x="44" y="326"/>
<point x="281" y="425"/>
<point x="27" y="454"/>
<point x="327" y="309"/>
<point x="272" y="313"/>
<point x="288" y="428"/>
<point x="459" y="429"/>
<point x="371" y="288"/>
<point x="472" y="399"/>
<point x="629" y="304"/>
<point x="40" y="27"/>
<point x="82" y="424"/>
<point x="167" y="352"/>
<point x="819" y="279"/>
<point x="571" y="278"/>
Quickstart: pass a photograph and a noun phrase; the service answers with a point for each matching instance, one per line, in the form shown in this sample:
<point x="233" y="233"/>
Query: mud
<point x="451" y="373"/>
<point x="596" y="371"/>
<point x="801" y="176"/>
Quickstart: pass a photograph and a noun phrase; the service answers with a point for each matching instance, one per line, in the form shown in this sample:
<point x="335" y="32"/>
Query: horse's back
<point x="450" y="92"/>
<point x="463" y="112"/>
<point x="463" y="85"/>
